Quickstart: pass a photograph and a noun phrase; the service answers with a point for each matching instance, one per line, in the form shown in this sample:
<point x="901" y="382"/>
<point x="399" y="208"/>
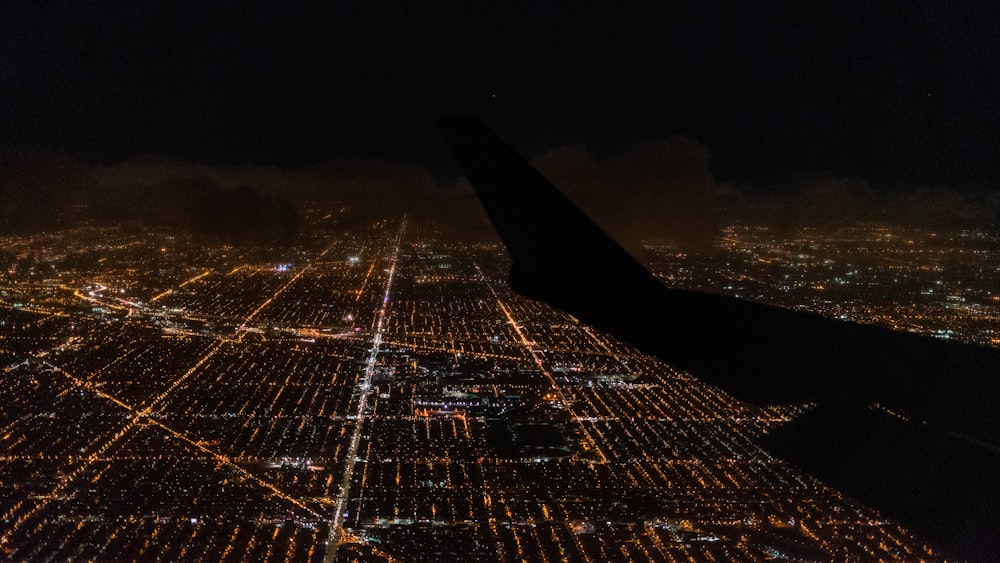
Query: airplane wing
<point x="935" y="465"/>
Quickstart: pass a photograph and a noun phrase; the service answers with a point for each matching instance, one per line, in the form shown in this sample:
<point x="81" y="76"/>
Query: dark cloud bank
<point x="254" y="205"/>
<point x="658" y="189"/>
<point x="666" y="189"/>
<point x="662" y="188"/>
<point x="822" y="201"/>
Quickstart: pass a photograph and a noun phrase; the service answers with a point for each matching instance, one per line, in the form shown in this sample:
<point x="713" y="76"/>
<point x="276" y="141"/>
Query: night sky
<point x="893" y="93"/>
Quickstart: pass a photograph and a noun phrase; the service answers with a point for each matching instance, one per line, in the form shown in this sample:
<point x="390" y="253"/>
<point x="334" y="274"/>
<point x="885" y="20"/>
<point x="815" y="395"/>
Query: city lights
<point x="234" y="408"/>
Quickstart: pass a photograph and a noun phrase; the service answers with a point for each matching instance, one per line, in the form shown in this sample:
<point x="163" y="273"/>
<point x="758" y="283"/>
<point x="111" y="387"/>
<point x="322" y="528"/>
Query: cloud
<point x="40" y="190"/>
<point x="662" y="188"/>
<point x="942" y="207"/>
<point x="375" y="189"/>
<point x="35" y="186"/>
<point x="831" y="201"/>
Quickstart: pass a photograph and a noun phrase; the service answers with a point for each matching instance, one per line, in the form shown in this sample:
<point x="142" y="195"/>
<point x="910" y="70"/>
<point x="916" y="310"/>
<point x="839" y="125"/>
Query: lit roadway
<point x="186" y="282"/>
<point x="97" y="451"/>
<point x="528" y="346"/>
<point x="364" y="389"/>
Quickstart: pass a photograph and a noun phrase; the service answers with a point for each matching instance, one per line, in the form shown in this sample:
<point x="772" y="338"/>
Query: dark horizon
<point x="884" y="93"/>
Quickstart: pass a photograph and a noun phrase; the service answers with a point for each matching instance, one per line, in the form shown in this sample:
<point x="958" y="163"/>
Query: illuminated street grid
<point x="164" y="400"/>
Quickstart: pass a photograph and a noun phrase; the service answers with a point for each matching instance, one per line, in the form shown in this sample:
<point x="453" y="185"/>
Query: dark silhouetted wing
<point x="939" y="472"/>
